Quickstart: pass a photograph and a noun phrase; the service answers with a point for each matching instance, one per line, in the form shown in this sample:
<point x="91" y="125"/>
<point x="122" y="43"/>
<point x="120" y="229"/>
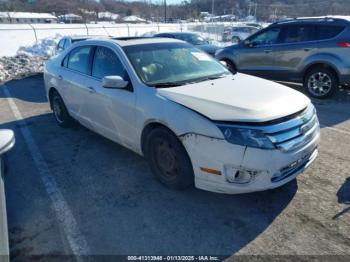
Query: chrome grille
<point x="294" y="133"/>
<point x="288" y="133"/>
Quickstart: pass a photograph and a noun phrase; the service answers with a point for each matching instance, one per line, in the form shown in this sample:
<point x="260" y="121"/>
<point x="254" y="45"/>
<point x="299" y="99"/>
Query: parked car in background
<point x="7" y="141"/>
<point x="67" y="41"/>
<point x="314" y="51"/>
<point x="193" y="39"/>
<point x="235" y="34"/>
<point x="185" y="112"/>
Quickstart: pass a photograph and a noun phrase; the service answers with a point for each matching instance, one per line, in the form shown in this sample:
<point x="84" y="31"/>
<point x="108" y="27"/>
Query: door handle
<point x="307" y="49"/>
<point x="91" y="90"/>
<point x="60" y="77"/>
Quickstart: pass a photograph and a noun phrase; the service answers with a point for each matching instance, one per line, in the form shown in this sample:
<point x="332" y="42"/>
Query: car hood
<point x="238" y="98"/>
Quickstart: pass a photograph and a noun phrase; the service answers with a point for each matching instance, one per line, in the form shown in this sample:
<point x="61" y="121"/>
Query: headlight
<point x="246" y="137"/>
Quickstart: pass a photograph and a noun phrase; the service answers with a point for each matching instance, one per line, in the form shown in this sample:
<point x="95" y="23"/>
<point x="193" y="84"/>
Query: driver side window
<point x="106" y="63"/>
<point x="267" y="37"/>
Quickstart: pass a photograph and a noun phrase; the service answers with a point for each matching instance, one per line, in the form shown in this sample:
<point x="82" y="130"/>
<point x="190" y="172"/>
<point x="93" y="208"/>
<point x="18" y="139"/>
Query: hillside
<point x="190" y="8"/>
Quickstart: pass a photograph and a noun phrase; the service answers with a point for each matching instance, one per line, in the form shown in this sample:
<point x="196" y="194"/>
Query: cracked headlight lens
<point x="246" y="137"/>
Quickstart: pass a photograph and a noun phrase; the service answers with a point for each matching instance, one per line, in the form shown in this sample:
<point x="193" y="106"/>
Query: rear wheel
<point x="168" y="159"/>
<point x="321" y="82"/>
<point x="60" y="111"/>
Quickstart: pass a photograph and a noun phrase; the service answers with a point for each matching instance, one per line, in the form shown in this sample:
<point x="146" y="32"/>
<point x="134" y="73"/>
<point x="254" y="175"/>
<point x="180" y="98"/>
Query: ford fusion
<point x="194" y="121"/>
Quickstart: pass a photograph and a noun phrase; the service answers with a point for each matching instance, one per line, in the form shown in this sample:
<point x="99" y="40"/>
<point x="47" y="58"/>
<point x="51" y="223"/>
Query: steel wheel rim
<point x="319" y="84"/>
<point x="165" y="159"/>
<point x="57" y="109"/>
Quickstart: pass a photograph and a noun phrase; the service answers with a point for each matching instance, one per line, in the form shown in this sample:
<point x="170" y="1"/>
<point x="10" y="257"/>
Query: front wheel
<point x="168" y="159"/>
<point x="321" y="83"/>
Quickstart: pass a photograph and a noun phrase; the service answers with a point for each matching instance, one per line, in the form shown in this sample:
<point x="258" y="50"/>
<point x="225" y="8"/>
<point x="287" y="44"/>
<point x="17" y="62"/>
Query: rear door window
<point x="79" y="59"/>
<point x="298" y="33"/>
<point x="66" y="44"/>
<point x="328" y="31"/>
<point x="267" y="37"/>
<point x="60" y="45"/>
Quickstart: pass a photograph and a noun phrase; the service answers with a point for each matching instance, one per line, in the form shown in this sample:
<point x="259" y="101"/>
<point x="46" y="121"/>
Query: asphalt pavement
<point x="73" y="192"/>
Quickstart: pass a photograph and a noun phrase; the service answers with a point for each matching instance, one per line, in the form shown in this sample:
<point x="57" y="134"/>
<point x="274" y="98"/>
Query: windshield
<point x="172" y="64"/>
<point x="192" y="39"/>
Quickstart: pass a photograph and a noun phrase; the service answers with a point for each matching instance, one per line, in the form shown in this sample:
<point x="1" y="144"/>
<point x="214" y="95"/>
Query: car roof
<point x="132" y="41"/>
<point x="82" y="37"/>
<point x="318" y="19"/>
<point x="177" y="33"/>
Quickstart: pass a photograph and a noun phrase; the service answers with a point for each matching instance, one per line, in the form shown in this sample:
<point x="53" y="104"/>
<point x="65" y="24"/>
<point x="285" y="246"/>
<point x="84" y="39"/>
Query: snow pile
<point x="29" y="60"/>
<point x="20" y="66"/>
<point x="44" y="48"/>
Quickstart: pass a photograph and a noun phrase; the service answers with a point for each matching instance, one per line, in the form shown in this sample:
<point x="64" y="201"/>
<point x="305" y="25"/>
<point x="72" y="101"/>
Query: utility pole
<point x="256" y="7"/>
<point x="164" y="11"/>
<point x="212" y="7"/>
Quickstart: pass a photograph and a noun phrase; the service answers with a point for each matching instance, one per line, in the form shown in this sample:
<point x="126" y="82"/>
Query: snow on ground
<point x="28" y="60"/>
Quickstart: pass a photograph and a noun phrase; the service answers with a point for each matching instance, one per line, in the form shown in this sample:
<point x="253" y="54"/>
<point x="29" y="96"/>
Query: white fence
<point x="13" y="36"/>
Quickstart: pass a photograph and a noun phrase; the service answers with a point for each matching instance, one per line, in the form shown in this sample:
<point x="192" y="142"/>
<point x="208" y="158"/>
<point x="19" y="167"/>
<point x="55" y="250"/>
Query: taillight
<point x="344" y="44"/>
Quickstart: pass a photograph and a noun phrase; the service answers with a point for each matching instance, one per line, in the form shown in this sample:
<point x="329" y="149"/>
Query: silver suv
<point x="314" y="51"/>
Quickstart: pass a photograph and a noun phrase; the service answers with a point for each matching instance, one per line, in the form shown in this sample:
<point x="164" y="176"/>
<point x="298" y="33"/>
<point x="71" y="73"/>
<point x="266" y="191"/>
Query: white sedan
<point x="192" y="119"/>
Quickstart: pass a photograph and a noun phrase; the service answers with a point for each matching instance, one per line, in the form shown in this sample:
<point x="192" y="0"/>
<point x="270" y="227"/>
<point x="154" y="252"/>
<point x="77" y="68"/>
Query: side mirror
<point x="116" y="82"/>
<point x="7" y="140"/>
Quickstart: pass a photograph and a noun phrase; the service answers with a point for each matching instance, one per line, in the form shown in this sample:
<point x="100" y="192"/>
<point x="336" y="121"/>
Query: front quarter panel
<point x="154" y="108"/>
<point x="228" y="53"/>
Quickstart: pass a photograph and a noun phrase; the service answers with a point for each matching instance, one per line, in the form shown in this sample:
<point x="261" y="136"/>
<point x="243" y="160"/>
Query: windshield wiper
<point x="167" y="84"/>
<point x="216" y="76"/>
<point x="213" y="77"/>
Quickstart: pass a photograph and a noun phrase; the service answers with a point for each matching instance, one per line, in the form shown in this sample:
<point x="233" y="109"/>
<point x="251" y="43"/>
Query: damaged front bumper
<point x="223" y="167"/>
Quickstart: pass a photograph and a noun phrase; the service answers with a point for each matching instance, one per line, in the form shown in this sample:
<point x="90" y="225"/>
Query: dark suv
<point x="314" y="51"/>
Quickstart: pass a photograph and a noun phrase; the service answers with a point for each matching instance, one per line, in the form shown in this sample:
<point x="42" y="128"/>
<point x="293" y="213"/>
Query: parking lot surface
<point x="70" y="191"/>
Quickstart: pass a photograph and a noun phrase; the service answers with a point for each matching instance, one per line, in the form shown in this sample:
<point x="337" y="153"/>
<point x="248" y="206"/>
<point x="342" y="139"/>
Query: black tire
<point x="321" y="82"/>
<point x="60" y="111"/>
<point x="168" y="159"/>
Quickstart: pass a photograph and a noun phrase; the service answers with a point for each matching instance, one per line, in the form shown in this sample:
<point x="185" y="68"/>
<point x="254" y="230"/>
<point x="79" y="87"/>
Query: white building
<point x="133" y="19"/>
<point x="70" y="18"/>
<point x="26" y="18"/>
<point x="108" y="16"/>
